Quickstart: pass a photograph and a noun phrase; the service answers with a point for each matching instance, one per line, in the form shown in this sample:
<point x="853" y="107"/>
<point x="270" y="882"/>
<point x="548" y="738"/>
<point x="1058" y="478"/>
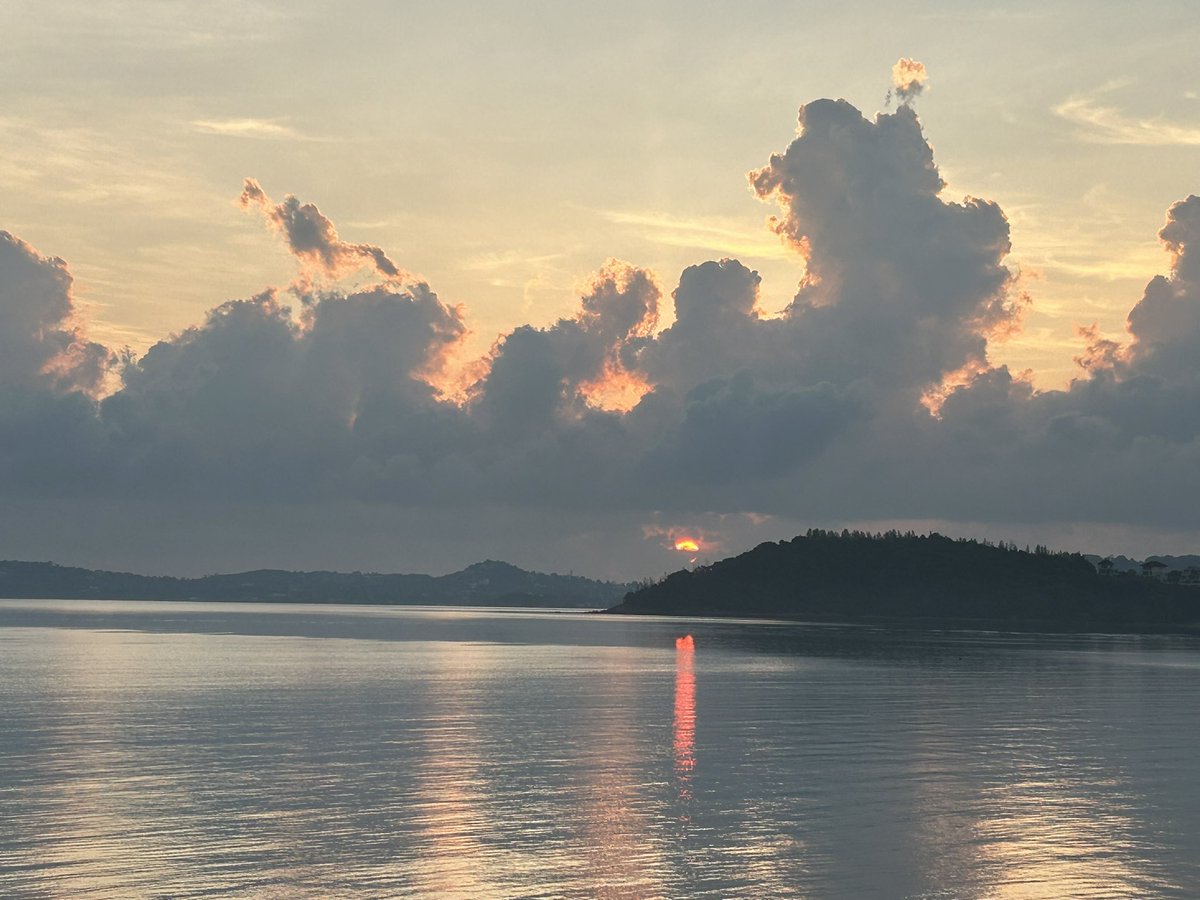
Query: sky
<point x="399" y="287"/>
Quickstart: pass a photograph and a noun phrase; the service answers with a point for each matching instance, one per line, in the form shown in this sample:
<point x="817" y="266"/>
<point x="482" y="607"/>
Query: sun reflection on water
<point x="685" y="714"/>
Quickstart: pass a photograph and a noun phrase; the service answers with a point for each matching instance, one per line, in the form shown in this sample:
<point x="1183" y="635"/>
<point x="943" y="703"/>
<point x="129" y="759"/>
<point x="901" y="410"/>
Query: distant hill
<point x="487" y="583"/>
<point x="859" y="577"/>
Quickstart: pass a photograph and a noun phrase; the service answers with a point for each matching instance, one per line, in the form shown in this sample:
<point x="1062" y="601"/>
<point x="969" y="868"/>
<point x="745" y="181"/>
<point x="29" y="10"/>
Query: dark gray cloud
<point x="1165" y="324"/>
<point x="1122" y="443"/>
<point x="312" y="237"/>
<point x="717" y="330"/>
<point x="254" y="402"/>
<point x="903" y="287"/>
<point x="274" y="411"/>
<point x="542" y="378"/>
<point x="41" y="344"/>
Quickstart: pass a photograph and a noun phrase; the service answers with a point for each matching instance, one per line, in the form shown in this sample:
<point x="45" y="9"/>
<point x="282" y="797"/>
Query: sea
<point x="240" y="750"/>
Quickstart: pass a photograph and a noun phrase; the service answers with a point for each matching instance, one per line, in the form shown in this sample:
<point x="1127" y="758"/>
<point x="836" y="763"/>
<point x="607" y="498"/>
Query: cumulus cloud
<point x="908" y="79"/>
<point x="821" y="413"/>
<point x="1165" y="324"/>
<point x="255" y="402"/>
<point x="902" y="286"/>
<point x="539" y="376"/>
<point x="1121" y="444"/>
<point x="41" y="343"/>
<point x="717" y="331"/>
<point x="312" y="237"/>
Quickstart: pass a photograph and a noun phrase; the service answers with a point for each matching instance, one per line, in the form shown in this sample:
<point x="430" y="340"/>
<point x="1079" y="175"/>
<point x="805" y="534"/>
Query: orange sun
<point x="686" y="545"/>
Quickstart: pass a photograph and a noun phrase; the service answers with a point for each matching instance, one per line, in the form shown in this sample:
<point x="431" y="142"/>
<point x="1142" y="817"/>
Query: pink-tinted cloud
<point x="908" y="79"/>
<point x="41" y="340"/>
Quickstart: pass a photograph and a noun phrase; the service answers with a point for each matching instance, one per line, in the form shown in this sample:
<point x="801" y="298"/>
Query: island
<point x="905" y="577"/>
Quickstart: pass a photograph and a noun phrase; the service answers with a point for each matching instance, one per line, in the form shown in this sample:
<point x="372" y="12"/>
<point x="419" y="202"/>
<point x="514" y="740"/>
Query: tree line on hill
<point x="855" y="576"/>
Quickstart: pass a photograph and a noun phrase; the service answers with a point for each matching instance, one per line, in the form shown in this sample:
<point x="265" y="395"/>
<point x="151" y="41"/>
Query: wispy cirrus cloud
<point x="488" y="262"/>
<point x="715" y="235"/>
<point x="257" y="129"/>
<point x="1108" y="125"/>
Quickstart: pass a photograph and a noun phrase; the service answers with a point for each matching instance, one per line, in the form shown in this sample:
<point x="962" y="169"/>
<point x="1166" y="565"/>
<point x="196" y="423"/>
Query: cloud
<point x="908" y="79"/>
<point x="736" y="430"/>
<point x="902" y="286"/>
<point x="312" y="238"/>
<point x="715" y="236"/>
<point x="1165" y="323"/>
<point x="603" y="420"/>
<point x="1106" y="125"/>
<point x="257" y="403"/>
<point x="539" y="377"/>
<point x="683" y="538"/>
<point x="258" y="129"/>
<point x="717" y="331"/>
<point x="1119" y="445"/>
<point x="41" y="343"/>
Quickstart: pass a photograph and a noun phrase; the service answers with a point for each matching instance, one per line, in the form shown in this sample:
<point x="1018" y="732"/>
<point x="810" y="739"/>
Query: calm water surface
<point x="196" y="750"/>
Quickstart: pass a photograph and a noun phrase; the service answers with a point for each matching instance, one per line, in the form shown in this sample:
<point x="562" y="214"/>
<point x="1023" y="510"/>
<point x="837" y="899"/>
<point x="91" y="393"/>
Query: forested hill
<point x="483" y="584"/>
<point x="847" y="576"/>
